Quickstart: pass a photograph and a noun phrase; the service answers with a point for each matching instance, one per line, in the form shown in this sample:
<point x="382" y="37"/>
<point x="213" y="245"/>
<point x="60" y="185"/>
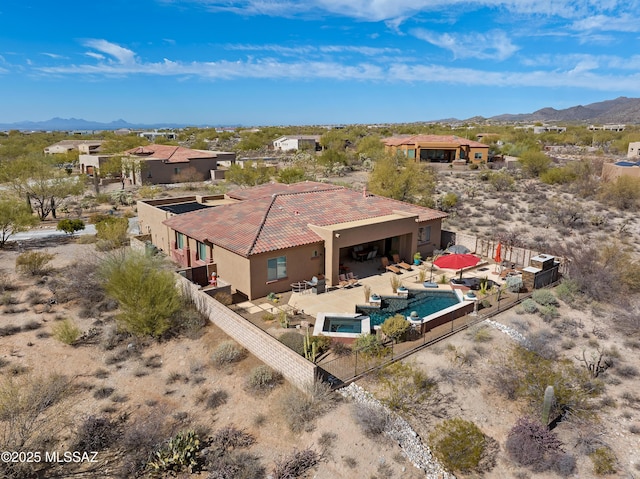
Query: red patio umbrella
<point x="498" y="257"/>
<point x="456" y="261"/>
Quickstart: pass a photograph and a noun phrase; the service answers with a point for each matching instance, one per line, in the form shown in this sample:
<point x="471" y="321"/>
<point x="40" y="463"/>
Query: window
<point x="179" y="240"/>
<point x="463" y="155"/>
<point x="424" y="234"/>
<point x="478" y="156"/>
<point x="411" y="154"/>
<point x="276" y="268"/>
<point x="202" y="251"/>
<point x="176" y="170"/>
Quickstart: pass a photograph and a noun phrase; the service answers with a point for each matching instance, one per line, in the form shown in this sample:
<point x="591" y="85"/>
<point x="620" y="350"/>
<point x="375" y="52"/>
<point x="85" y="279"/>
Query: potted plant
<point x="417" y="258"/>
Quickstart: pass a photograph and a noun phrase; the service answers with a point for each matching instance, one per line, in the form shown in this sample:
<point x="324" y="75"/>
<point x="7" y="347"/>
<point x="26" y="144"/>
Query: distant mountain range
<point x="620" y="110"/>
<point x="70" y="124"/>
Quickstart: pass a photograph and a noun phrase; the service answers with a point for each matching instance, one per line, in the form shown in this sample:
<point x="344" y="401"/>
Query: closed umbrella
<point x="498" y="256"/>
<point x="457" y="261"/>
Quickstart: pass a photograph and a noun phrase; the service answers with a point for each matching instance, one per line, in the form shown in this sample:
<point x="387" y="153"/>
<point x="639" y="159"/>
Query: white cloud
<point x="53" y="55"/>
<point x="621" y="23"/>
<point x="120" y="54"/>
<point x="395" y="11"/>
<point x="97" y="56"/>
<point x="494" y="45"/>
<point x="575" y="71"/>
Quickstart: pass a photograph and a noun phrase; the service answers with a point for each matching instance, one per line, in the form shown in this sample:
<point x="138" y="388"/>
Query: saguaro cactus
<point x="549" y="397"/>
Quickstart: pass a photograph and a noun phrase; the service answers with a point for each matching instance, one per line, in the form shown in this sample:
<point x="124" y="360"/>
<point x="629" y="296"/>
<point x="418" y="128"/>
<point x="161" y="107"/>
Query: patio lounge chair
<point x="401" y="264"/>
<point x="389" y="267"/>
<point x="344" y="282"/>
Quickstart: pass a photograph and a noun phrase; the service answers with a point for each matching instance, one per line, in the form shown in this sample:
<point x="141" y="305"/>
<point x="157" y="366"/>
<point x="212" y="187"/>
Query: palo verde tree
<point x="44" y="186"/>
<point x="145" y="289"/>
<point x="395" y="177"/>
<point x="15" y="216"/>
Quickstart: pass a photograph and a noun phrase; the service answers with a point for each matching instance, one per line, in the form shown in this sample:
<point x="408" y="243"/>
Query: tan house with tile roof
<point x="437" y="148"/>
<point x="263" y="239"/>
<point x="161" y="164"/>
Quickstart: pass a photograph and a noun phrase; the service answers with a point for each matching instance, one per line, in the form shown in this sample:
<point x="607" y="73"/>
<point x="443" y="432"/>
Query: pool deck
<point x="344" y="300"/>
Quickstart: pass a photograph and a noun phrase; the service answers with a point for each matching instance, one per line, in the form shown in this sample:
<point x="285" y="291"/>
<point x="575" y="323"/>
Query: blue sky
<point x="285" y="62"/>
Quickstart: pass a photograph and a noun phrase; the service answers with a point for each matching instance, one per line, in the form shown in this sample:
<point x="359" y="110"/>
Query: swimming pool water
<point x="423" y="302"/>
<point x="342" y="325"/>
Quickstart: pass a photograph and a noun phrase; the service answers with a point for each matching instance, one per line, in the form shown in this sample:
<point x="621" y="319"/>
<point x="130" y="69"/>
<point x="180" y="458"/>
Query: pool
<point x="425" y="303"/>
<point x="341" y="325"/>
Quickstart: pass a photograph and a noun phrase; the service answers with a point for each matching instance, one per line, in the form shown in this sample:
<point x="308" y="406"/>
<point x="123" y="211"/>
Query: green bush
<point x="458" y="444"/>
<point x="33" y="263"/>
<point x="66" y="332"/>
<point x="544" y="297"/>
<point x="548" y="313"/>
<point x="146" y="291"/>
<point x="395" y="327"/>
<point x="604" y="461"/>
<point x="567" y="291"/>
<point x="529" y="306"/>
<point x="262" y="378"/>
<point x="70" y="226"/>
<point x="404" y="387"/>
<point x="112" y="232"/>
<point x="368" y="345"/>
<point x="501" y="180"/>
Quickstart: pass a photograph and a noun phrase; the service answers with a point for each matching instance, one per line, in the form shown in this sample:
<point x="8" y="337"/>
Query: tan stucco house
<point x="263" y="239"/>
<point x="437" y="148"/>
<point x="161" y="164"/>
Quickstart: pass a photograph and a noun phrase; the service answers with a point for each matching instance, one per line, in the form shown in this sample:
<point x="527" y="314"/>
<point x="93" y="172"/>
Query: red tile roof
<point x="168" y="153"/>
<point x="273" y="221"/>
<point x="444" y="139"/>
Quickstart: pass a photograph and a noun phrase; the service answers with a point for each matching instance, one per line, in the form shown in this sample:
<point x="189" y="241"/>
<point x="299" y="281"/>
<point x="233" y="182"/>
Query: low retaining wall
<point x="296" y="369"/>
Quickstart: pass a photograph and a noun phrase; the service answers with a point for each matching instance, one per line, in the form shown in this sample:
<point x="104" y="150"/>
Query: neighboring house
<point x="154" y="135"/>
<point x="297" y="142"/>
<point x="607" y="127"/>
<point x="438" y="148"/>
<point x="82" y="146"/>
<point x="538" y="130"/>
<point x="90" y="164"/>
<point x="612" y="171"/>
<point x="161" y="164"/>
<point x="272" y="235"/>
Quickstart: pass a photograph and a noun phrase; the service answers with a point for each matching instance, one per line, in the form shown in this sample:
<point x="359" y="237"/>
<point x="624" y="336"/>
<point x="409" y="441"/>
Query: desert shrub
<point x="66" y="332"/>
<point x="623" y="192"/>
<point x="34" y="263"/>
<point x="70" y="226"/>
<point x="405" y="387"/>
<point x="9" y="330"/>
<point x="31" y="325"/>
<point x="372" y="419"/>
<point x="514" y="283"/>
<point x="532" y="445"/>
<point x="295" y="464"/>
<point x="7" y="299"/>
<point x="267" y="316"/>
<point x="548" y="313"/>
<point x="235" y="465"/>
<point x="567" y="291"/>
<point x="263" y="379"/>
<point x="534" y="163"/>
<point x="544" y="297"/>
<point x="524" y="374"/>
<point x="103" y="392"/>
<point x="79" y="281"/>
<point x="216" y="399"/>
<point x="227" y="352"/>
<point x="368" y="345"/>
<point x="449" y="201"/>
<point x="340" y="349"/>
<point x="395" y="327"/>
<point x="111" y="232"/>
<point x="501" y="180"/>
<point x="145" y="289"/>
<point x="230" y="437"/>
<point x="529" y="306"/>
<point x="604" y="461"/>
<point x="180" y="453"/>
<point x="294" y="341"/>
<point x="626" y="371"/>
<point x="95" y="433"/>
<point x="299" y="410"/>
<point x="457" y="444"/>
<point x="558" y="176"/>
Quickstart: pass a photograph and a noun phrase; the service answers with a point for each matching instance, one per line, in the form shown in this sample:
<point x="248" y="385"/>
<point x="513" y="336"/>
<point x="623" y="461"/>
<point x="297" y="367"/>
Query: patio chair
<point x="344" y="282"/>
<point x="313" y="282"/>
<point x="389" y="267"/>
<point x="372" y="254"/>
<point x="401" y="264"/>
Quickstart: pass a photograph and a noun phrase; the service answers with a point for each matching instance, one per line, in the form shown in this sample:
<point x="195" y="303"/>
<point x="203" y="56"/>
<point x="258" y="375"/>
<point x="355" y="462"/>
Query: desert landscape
<point x="126" y="397"/>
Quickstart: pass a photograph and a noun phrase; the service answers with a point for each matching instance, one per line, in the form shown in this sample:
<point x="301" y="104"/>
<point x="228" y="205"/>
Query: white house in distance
<point x="83" y="146"/>
<point x="297" y="142"/>
<point x="152" y="136"/>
